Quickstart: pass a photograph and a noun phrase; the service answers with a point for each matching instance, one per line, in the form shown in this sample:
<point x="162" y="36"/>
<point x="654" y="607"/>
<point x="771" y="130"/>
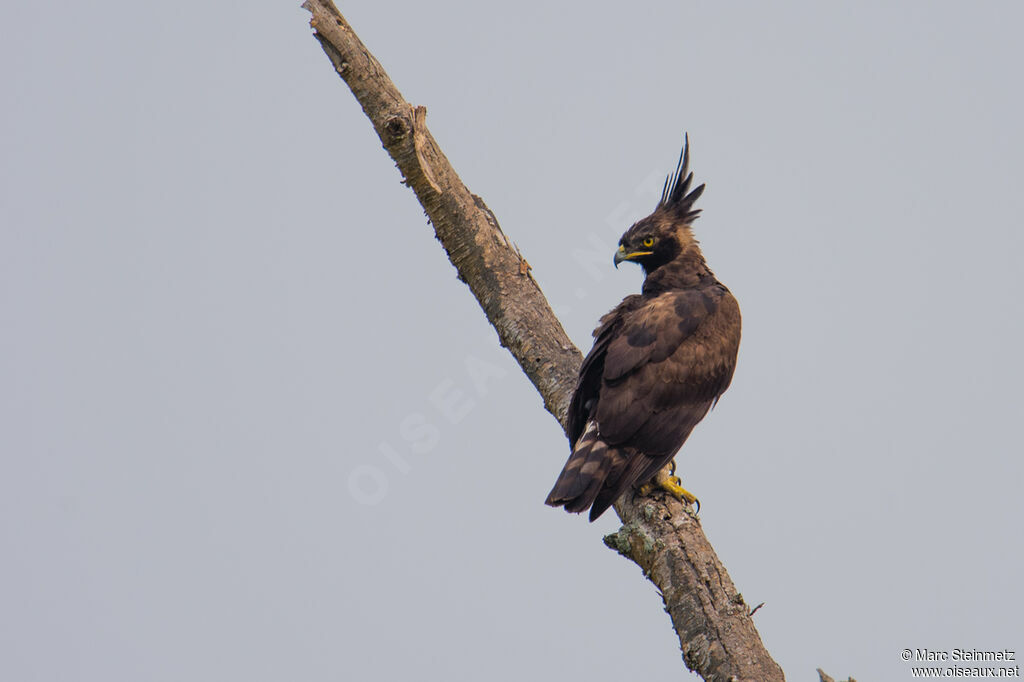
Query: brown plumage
<point x="660" y="361"/>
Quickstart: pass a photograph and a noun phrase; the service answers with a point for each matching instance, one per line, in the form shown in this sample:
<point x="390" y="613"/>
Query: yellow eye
<point x="649" y="242"/>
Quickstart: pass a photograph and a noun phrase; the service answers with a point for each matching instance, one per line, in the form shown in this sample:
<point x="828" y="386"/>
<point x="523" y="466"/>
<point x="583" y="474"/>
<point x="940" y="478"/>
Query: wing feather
<point x="656" y="368"/>
<point x="670" y="356"/>
<point x="588" y="387"/>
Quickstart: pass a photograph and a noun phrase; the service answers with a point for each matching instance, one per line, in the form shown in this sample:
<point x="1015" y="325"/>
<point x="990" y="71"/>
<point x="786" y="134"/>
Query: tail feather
<point x="596" y="475"/>
<point x="610" y="458"/>
<point x="580" y="471"/>
<point x="631" y="471"/>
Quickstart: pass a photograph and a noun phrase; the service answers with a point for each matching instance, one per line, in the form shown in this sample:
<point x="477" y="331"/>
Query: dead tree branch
<point x="822" y="677"/>
<point x="716" y="633"/>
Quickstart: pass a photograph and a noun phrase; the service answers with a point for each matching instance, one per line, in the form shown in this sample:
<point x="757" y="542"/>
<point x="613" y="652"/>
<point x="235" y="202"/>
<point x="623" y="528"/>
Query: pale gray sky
<point x="253" y="428"/>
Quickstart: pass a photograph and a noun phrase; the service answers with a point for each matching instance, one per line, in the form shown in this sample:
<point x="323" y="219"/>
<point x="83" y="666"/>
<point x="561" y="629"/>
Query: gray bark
<point x="716" y="632"/>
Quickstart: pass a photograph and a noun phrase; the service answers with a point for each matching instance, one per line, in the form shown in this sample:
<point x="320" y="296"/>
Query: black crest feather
<point x="674" y="197"/>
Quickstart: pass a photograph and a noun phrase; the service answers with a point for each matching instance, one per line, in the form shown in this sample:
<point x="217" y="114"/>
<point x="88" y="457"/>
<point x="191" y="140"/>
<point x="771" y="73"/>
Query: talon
<point x="665" y="480"/>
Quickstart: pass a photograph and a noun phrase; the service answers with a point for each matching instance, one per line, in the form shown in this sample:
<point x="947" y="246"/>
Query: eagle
<point x="661" y="360"/>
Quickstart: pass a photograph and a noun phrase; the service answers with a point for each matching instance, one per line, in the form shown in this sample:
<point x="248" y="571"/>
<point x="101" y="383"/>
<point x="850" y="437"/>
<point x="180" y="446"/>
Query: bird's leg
<point x="666" y="480"/>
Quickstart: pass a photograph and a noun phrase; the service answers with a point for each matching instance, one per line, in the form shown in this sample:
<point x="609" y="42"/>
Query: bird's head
<point x="665" y="235"/>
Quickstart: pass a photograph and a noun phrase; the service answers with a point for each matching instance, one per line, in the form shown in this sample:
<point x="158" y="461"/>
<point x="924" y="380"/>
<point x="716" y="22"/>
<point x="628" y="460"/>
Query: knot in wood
<point x="396" y="127"/>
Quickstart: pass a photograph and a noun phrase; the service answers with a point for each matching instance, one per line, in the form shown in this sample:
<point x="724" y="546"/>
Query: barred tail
<point x="592" y="476"/>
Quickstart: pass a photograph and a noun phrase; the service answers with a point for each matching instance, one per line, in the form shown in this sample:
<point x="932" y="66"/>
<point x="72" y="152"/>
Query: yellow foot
<point x="665" y="480"/>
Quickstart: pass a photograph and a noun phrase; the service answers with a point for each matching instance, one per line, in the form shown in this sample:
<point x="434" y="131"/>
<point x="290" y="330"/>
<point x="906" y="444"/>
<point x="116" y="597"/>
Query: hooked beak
<point x="622" y="255"/>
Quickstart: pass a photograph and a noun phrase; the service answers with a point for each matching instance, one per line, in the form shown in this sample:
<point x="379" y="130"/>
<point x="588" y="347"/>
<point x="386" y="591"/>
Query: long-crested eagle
<point x="661" y="359"/>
